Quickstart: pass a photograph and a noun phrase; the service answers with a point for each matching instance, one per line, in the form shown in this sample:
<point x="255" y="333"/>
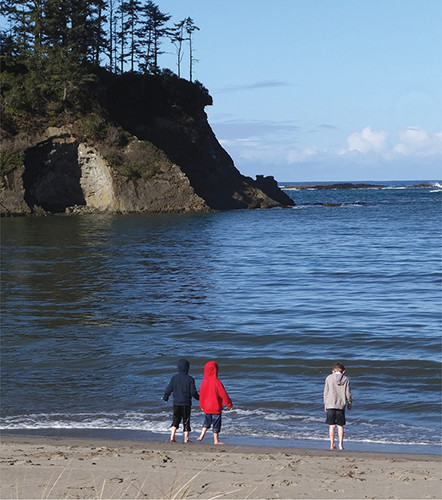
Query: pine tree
<point x="25" y="19"/>
<point x="190" y="28"/>
<point x="121" y="34"/>
<point x="155" y="29"/>
<point x="177" y="38"/>
<point x="132" y="10"/>
<point x="112" y="37"/>
<point x="97" y="33"/>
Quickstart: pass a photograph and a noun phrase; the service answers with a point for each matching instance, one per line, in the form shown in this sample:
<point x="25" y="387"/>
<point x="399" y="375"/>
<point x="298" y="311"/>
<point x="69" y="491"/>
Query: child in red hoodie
<point x="213" y="397"/>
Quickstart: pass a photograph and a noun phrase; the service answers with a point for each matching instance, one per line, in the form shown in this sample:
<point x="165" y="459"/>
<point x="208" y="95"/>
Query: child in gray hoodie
<point x="337" y="396"/>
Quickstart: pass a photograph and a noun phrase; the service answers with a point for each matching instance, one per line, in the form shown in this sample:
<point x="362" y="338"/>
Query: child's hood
<point x="211" y="369"/>
<point x="340" y="378"/>
<point x="183" y="366"/>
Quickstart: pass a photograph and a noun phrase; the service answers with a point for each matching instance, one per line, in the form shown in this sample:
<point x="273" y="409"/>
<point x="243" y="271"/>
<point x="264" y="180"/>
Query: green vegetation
<point x="10" y="161"/>
<point x="70" y="63"/>
<point x="140" y="159"/>
<point x="119" y="35"/>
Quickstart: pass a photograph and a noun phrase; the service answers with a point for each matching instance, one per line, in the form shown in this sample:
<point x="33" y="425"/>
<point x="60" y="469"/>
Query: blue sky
<point x="321" y="90"/>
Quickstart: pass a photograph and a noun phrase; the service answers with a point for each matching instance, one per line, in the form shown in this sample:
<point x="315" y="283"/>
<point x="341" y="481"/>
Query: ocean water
<point x="98" y="309"/>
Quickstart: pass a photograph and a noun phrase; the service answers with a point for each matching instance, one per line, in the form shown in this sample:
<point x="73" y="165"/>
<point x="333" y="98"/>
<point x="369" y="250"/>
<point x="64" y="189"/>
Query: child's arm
<point x="326" y="388"/>
<point x="224" y="396"/>
<point x="193" y="390"/>
<point x="348" y="395"/>
<point x="168" y="391"/>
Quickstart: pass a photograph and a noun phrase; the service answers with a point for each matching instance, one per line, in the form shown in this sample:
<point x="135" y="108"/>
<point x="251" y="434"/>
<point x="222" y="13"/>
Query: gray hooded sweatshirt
<point x="337" y="391"/>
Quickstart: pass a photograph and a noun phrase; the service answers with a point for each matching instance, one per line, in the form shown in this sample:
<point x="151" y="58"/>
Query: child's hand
<point x="349" y="406"/>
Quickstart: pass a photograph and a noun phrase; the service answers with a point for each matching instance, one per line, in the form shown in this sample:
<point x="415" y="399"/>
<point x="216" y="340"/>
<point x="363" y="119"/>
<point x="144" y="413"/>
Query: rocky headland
<point x="149" y="148"/>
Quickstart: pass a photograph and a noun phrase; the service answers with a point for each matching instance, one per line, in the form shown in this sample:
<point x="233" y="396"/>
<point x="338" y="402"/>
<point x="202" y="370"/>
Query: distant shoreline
<point x="347" y="185"/>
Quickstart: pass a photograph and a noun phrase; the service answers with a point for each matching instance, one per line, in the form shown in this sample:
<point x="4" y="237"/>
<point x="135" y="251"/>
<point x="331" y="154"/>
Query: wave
<point x="243" y="422"/>
<point x="119" y="421"/>
<point x="329" y="205"/>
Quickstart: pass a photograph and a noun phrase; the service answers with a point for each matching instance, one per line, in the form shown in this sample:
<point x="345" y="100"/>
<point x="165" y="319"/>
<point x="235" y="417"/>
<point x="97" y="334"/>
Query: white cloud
<point x="412" y="153"/>
<point x="367" y="140"/>
<point x="299" y="156"/>
<point x="415" y="141"/>
<point x="252" y="86"/>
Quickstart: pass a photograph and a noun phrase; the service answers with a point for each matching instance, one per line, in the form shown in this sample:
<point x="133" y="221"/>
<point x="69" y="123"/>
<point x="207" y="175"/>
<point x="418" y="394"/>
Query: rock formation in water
<point x="342" y="185"/>
<point x="155" y="153"/>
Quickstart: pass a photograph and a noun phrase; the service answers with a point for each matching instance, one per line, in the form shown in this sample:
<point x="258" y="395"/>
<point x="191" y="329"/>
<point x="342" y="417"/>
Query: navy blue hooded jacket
<point x="182" y="385"/>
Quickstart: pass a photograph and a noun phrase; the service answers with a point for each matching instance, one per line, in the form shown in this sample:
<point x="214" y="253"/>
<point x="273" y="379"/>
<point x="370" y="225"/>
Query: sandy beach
<point x="82" y="468"/>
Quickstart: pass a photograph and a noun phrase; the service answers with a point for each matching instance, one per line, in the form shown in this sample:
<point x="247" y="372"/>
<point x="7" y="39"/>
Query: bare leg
<point x="332" y="437"/>
<point x="186" y="437"/>
<point x="203" y="433"/>
<point x="341" y="437"/>
<point x="216" y="438"/>
<point x="172" y="434"/>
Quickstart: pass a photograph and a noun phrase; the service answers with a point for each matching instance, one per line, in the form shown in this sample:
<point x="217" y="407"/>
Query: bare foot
<point x="341" y="447"/>
<point x="199" y="438"/>
<point x="333" y="446"/>
<point x="172" y="441"/>
<point x="218" y="442"/>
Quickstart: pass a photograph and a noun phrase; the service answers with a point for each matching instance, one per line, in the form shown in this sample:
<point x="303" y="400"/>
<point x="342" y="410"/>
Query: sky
<point x="321" y="90"/>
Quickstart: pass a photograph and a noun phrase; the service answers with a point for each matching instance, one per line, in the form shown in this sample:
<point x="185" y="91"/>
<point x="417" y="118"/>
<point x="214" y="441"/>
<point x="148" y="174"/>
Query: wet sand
<point x="46" y="468"/>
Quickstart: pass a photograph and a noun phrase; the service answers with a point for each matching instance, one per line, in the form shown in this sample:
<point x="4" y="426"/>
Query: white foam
<point x="253" y="423"/>
<point x="127" y="421"/>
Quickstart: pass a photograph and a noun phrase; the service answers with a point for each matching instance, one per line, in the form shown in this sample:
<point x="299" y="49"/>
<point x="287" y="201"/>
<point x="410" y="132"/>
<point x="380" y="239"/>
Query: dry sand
<point x="52" y="468"/>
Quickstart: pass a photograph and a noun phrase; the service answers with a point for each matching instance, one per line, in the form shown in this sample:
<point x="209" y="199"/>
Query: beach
<point x="46" y="468"/>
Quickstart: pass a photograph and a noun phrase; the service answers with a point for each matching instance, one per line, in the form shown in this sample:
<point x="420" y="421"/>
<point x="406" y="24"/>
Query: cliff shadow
<point x="51" y="179"/>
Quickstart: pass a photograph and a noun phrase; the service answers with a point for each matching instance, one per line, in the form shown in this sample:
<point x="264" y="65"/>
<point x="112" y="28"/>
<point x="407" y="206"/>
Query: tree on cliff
<point x="26" y="19"/>
<point x="177" y="38"/>
<point x="154" y="25"/>
<point x="52" y="52"/>
<point x="132" y="10"/>
<point x="190" y="28"/>
<point x="127" y="33"/>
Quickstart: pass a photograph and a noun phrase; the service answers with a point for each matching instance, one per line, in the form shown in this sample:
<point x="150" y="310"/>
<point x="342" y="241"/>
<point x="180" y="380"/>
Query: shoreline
<point x="130" y="435"/>
<point x="38" y="467"/>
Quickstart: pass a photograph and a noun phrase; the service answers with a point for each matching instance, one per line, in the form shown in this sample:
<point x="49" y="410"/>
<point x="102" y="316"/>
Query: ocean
<point x="98" y="309"/>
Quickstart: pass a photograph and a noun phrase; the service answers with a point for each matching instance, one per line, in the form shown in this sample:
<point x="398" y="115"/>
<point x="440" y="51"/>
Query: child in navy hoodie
<point x="182" y="385"/>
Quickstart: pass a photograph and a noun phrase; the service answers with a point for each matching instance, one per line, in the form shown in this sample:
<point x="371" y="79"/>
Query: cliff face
<point x="63" y="173"/>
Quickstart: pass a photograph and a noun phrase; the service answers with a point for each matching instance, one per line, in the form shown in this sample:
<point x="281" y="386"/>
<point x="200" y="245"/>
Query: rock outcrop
<point x="64" y="173"/>
<point x="342" y="185"/>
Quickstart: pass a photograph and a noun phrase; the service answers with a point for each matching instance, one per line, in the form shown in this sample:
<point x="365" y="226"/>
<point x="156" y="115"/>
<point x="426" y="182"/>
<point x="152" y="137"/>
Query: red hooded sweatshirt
<point x="213" y="396"/>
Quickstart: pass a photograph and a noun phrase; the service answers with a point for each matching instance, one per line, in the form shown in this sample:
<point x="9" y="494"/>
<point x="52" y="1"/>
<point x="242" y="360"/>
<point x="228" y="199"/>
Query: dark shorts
<point x="212" y="419"/>
<point x="181" y="413"/>
<point x="335" y="417"/>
